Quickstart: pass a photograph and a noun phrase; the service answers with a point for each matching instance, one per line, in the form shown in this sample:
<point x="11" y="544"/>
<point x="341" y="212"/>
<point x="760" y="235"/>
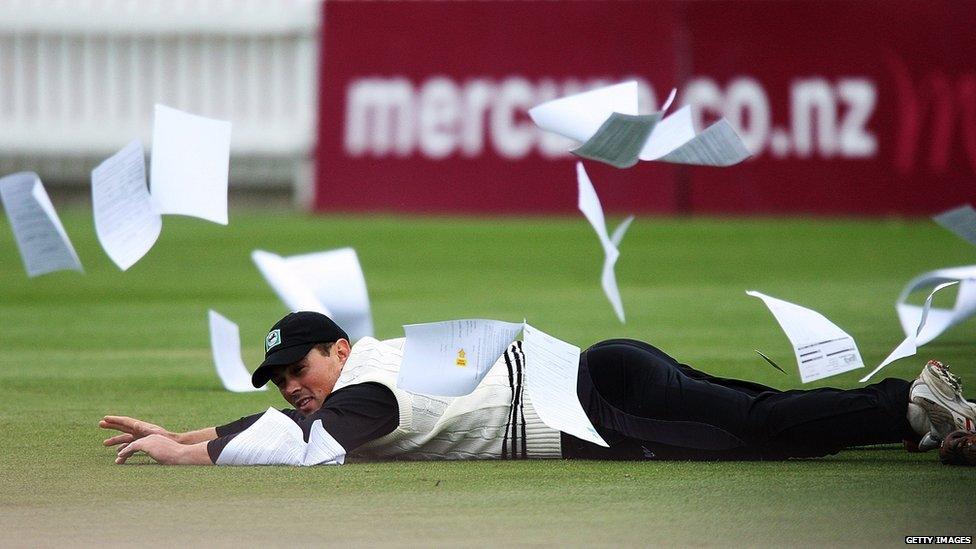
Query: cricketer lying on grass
<point x="645" y="405"/>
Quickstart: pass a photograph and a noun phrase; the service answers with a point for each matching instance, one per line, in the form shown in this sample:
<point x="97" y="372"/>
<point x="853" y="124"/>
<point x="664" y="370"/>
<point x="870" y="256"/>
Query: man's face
<point x="306" y="383"/>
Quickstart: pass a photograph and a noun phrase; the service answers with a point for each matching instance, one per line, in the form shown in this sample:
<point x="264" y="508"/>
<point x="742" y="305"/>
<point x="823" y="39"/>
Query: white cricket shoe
<point x="939" y="393"/>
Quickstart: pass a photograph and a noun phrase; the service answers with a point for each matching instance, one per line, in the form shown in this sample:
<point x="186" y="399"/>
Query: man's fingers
<point x="123" y="423"/>
<point x="114" y="426"/>
<point x="118" y="439"/>
<point x="116" y="420"/>
<point x="126" y="452"/>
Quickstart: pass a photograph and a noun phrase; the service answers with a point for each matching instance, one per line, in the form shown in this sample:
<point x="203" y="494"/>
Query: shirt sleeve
<point x="353" y="416"/>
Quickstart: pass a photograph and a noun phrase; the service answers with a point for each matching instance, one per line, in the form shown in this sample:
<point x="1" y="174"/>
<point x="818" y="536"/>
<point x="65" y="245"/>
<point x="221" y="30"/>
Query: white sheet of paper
<point x="551" y="369"/>
<point x="579" y="116"/>
<point x="619" y="140"/>
<point x="908" y="346"/>
<point x="822" y="349"/>
<point x="190" y="159"/>
<point x="225" y="345"/>
<point x="126" y="220"/>
<point x="939" y="319"/>
<point x="618" y="234"/>
<point x="43" y="243"/>
<point x="672" y="140"/>
<point x="960" y="221"/>
<point x="295" y="294"/>
<point x="451" y="358"/>
<point x="718" y="145"/>
<point x="669" y="134"/>
<point x="669" y="101"/>
<point x="274" y="439"/>
<point x="336" y="279"/>
<point x="589" y="204"/>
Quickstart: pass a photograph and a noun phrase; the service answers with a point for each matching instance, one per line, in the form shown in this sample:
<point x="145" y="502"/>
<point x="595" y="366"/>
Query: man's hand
<point x="132" y="429"/>
<point x="166" y="451"/>
<point x="159" y="447"/>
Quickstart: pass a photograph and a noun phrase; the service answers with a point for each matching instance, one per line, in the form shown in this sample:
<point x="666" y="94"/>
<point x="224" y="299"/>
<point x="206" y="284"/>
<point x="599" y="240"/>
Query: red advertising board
<point x="849" y="107"/>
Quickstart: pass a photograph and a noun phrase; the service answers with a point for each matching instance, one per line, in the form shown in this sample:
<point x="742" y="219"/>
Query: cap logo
<point x="274" y="338"/>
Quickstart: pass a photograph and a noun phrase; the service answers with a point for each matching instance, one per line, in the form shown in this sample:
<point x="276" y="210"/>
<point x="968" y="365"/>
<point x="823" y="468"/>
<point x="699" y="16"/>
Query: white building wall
<point x="78" y="80"/>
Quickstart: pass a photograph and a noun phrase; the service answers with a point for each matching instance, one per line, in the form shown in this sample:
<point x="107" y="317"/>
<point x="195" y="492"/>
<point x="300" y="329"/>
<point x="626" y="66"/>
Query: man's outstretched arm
<point x="355" y="415"/>
<point x="134" y="429"/>
<point x="166" y="451"/>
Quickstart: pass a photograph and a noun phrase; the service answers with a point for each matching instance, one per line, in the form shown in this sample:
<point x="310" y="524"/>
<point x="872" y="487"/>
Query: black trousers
<point x="647" y="405"/>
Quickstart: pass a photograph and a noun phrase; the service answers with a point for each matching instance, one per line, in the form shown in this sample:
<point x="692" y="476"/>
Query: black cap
<point x="291" y="338"/>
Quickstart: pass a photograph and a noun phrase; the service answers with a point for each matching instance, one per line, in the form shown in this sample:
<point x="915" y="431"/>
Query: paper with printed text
<point x="619" y="140"/>
<point x="822" y="349"/>
<point x="43" y="243"/>
<point x="126" y="220"/>
<point x="451" y="358"/>
<point x="719" y="145"/>
<point x="609" y="116"/>
<point x="551" y="371"/>
<point x="433" y="363"/>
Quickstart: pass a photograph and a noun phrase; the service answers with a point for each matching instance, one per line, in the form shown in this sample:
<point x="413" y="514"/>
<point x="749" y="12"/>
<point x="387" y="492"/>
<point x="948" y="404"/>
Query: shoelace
<point x="952" y="379"/>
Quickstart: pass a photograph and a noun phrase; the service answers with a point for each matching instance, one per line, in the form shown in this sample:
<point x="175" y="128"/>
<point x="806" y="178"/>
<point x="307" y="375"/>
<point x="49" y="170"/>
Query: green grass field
<point x="76" y="347"/>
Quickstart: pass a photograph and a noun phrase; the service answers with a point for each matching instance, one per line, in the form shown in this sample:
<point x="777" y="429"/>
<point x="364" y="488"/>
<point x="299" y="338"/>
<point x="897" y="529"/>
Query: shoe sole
<point x="943" y="420"/>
